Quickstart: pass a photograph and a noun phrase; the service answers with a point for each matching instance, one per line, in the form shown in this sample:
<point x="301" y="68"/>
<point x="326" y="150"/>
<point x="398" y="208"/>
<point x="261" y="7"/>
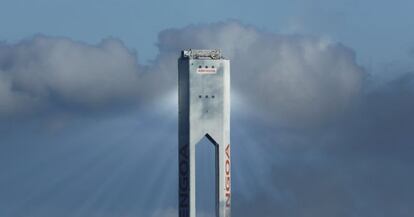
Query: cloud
<point x="331" y="145"/>
<point x="356" y="166"/>
<point x="294" y="79"/>
<point x="43" y="72"/>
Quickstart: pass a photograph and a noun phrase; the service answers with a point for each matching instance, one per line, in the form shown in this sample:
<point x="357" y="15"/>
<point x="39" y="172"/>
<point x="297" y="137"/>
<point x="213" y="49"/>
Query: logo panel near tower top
<point x="206" y="71"/>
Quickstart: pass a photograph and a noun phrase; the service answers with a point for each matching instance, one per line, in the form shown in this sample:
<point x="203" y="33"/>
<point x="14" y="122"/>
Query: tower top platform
<point x="214" y="54"/>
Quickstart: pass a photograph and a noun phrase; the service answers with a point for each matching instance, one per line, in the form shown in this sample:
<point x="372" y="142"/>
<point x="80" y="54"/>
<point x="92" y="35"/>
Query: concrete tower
<point x="204" y="110"/>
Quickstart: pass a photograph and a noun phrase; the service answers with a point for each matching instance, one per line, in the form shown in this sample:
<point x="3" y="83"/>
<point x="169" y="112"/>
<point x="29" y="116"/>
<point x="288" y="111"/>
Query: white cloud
<point x="298" y="80"/>
<point x="47" y="71"/>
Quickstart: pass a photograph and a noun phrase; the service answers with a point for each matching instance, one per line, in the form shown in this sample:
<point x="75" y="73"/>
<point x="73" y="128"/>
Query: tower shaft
<point x="204" y="110"/>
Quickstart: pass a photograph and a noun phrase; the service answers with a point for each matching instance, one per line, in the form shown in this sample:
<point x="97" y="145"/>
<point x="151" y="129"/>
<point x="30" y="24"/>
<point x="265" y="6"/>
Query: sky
<point x="322" y="97"/>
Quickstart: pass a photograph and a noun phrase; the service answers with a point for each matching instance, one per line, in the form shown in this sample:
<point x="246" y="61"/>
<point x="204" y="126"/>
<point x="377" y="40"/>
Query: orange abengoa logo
<point x="227" y="175"/>
<point x="206" y="70"/>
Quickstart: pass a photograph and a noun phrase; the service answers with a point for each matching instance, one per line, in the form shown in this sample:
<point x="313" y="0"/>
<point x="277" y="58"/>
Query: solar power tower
<point x="204" y="111"/>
